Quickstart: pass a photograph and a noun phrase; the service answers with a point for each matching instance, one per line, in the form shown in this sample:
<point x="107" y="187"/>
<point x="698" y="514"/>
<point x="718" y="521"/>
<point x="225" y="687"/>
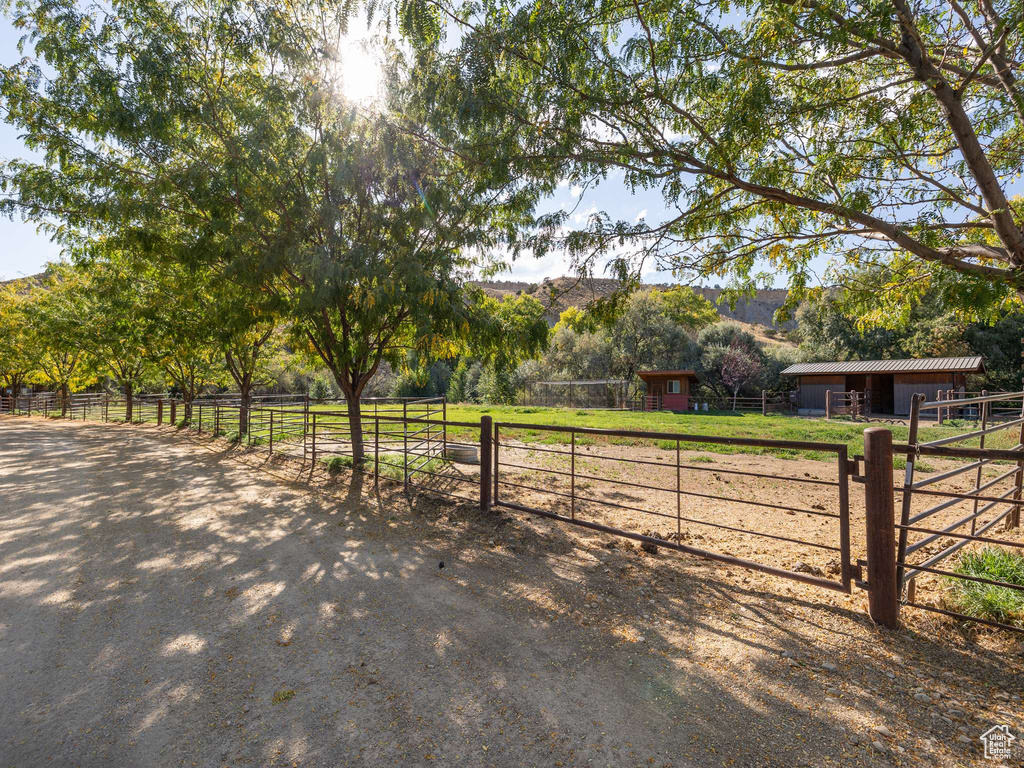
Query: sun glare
<point x="360" y="76"/>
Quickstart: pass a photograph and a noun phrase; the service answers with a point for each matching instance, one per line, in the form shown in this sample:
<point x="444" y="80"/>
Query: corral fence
<point x="965" y="405"/>
<point x="852" y="403"/>
<point x="971" y="506"/>
<point x="663" y="489"/>
<point x="578" y="393"/>
<point x="767" y="402"/>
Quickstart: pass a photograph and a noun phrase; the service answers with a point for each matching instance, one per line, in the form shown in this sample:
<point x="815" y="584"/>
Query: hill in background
<point x="560" y="293"/>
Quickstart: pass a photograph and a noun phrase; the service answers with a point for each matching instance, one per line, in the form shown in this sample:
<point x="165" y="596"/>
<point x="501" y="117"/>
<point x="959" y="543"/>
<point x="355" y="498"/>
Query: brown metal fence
<point x="662" y="489"/>
<point x="633" y="493"/>
<point x="970" y="504"/>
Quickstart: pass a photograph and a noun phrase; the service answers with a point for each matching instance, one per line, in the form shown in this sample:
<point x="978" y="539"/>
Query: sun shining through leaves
<point x="359" y="74"/>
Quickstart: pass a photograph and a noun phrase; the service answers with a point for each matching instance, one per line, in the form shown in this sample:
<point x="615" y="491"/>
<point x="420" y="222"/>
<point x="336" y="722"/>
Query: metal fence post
<point x="883" y="590"/>
<point x="764" y="402"/>
<point x="497" y="466"/>
<point x="485" y="463"/>
<point x="313" y="447"/>
<point x="271" y="433"/>
<point x="405" y="445"/>
<point x="572" y="477"/>
<point x="1013" y="520"/>
<point x="444" y="427"/>
<point x="376" y="449"/>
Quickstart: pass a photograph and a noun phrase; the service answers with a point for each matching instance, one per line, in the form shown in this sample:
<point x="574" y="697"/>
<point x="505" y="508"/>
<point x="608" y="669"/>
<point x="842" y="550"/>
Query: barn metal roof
<point x="922" y="365"/>
<point x="666" y="372"/>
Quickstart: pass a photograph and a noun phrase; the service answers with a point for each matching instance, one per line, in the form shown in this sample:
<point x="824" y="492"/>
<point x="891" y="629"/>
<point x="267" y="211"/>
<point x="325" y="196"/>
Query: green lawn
<point x="722" y="424"/>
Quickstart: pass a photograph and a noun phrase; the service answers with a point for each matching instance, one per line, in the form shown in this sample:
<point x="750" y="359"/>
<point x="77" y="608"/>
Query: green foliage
<point x="777" y="132"/>
<point x="16" y="363"/>
<point x="320" y="388"/>
<point x="987" y="601"/>
<point x="54" y="313"/>
<point x="646" y="336"/>
<point x="686" y="307"/>
<point x="464" y="386"/>
<point x="335" y="464"/>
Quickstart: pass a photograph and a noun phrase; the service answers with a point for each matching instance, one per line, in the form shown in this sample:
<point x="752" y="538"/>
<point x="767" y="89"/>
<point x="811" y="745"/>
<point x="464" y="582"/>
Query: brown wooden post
<point x="174" y="413"/>
<point x="764" y="402"/>
<point x="828" y="404"/>
<point x="883" y="591"/>
<point x="941" y="396"/>
<point x="160" y="412"/>
<point x="485" y="463"/>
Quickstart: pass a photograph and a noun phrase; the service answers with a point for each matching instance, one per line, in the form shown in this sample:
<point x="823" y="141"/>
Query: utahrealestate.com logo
<point x="998" y="742"/>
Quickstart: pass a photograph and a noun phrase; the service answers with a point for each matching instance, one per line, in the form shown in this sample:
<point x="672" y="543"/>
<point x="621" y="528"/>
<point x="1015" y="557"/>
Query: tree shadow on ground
<point x="167" y="600"/>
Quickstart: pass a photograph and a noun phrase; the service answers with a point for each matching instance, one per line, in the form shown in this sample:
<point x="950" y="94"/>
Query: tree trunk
<point x="186" y="400"/>
<point x="245" y="400"/>
<point x="128" y="392"/>
<point x="355" y="426"/>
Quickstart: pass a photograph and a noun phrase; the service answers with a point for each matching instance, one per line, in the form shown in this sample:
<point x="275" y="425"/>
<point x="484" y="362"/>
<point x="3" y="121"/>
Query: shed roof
<point x="666" y="372"/>
<point x="972" y="364"/>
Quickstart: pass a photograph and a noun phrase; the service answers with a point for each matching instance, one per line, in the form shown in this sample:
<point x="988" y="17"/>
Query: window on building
<point x="673" y="387"/>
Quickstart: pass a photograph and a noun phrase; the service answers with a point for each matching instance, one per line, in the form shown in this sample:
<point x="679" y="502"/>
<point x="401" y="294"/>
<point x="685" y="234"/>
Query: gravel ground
<point x="166" y="600"/>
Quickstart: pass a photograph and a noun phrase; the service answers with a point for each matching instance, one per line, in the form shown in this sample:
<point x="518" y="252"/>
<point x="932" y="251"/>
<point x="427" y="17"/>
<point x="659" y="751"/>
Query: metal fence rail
<point x="940" y="519"/>
<point x="647" y="487"/>
<point x="592" y="485"/>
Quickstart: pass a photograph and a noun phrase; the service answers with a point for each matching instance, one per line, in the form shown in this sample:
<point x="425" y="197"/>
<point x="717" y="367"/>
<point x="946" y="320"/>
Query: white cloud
<point x="641" y="215"/>
<point x="575" y="190"/>
<point x="582" y="216"/>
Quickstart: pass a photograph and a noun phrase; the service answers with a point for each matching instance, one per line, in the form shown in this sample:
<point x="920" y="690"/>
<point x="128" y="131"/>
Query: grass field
<point x="720" y="424"/>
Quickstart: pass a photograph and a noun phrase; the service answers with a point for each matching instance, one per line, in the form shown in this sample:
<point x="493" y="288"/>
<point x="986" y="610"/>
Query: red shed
<point x="668" y="390"/>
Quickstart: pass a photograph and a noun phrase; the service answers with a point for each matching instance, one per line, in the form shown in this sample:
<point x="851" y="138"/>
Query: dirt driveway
<point x="166" y="601"/>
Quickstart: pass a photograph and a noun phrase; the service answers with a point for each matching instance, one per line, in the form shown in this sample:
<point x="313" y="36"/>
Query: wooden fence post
<point x="941" y="395"/>
<point x="485" y="463"/>
<point x="764" y="402"/>
<point x="160" y="412"/>
<point x="828" y="404"/>
<point x="883" y="591"/>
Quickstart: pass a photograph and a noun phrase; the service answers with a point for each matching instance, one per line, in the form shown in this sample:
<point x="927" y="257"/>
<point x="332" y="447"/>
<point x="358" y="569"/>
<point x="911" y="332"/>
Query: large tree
<point x="116" y="329"/>
<point x="55" y="311"/>
<point x="227" y="118"/>
<point x="881" y="131"/>
<point x="16" y="364"/>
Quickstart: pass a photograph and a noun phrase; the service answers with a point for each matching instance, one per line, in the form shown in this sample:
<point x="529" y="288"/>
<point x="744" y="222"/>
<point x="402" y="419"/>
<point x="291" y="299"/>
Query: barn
<point x="667" y="389"/>
<point x="890" y="383"/>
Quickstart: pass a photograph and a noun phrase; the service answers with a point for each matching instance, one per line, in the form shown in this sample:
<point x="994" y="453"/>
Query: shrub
<point x="234" y="436"/>
<point x="987" y="601"/>
<point x="337" y="463"/>
<point x="181" y="423"/>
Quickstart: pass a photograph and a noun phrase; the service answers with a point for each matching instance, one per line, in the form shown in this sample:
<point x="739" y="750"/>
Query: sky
<point x="24" y="250"/>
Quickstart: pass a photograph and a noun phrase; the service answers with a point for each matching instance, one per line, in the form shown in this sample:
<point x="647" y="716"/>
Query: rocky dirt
<point x="170" y="600"/>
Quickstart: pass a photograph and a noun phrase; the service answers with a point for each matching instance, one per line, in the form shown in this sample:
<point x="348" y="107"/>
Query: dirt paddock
<point x="169" y="600"/>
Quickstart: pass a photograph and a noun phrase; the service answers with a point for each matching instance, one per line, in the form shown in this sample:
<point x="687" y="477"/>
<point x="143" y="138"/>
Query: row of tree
<point x="212" y="142"/>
